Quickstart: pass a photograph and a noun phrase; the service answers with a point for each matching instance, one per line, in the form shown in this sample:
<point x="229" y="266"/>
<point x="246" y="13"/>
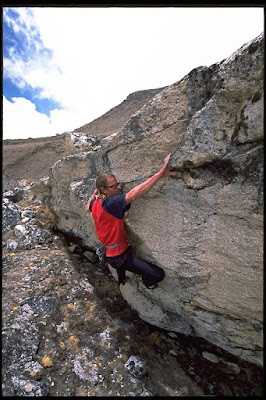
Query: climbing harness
<point x="100" y="252"/>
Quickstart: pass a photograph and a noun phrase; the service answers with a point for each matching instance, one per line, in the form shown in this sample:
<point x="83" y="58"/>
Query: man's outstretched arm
<point x="143" y="188"/>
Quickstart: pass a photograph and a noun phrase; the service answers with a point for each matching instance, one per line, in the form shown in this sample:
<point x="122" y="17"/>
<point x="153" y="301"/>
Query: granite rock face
<point x="204" y="227"/>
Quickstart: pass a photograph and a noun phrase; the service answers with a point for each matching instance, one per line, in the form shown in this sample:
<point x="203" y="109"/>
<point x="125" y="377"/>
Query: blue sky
<point x="23" y="43"/>
<point x="43" y="105"/>
<point x="66" y="66"/>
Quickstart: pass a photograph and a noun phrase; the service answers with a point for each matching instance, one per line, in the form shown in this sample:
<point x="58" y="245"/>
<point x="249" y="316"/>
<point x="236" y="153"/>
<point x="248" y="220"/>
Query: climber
<point x="108" y="206"/>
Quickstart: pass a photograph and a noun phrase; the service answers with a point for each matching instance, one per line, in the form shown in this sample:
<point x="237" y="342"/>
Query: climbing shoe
<point x="152" y="286"/>
<point x="147" y="286"/>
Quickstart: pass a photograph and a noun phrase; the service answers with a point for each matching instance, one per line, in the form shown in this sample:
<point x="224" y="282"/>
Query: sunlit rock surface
<point x="204" y="227"/>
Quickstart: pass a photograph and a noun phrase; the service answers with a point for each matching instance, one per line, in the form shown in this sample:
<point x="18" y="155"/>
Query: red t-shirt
<point x="109" y="220"/>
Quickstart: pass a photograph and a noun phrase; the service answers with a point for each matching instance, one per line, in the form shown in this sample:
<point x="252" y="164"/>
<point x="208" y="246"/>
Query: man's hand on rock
<point x="165" y="168"/>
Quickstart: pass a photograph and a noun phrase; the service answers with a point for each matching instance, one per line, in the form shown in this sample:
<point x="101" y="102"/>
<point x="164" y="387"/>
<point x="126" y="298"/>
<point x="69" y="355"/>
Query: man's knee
<point x="161" y="274"/>
<point x="157" y="272"/>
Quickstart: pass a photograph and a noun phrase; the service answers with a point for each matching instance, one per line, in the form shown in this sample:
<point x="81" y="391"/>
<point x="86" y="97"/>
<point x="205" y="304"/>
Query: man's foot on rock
<point x="152" y="286"/>
<point x="124" y="281"/>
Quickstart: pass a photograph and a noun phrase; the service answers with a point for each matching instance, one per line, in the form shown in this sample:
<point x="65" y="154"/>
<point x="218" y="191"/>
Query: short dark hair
<point x="101" y="181"/>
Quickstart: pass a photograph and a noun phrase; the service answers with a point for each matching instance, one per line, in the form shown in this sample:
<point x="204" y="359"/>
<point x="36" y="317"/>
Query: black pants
<point x="127" y="261"/>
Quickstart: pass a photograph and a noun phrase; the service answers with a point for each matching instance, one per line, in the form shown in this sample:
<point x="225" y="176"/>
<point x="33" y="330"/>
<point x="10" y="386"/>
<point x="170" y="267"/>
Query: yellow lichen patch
<point x="95" y="148"/>
<point x="91" y="308"/>
<point x="47" y="362"/>
<point x="74" y="339"/>
<point x="90" y="305"/>
<point x="62" y="346"/>
<point x="73" y="343"/>
<point x="98" y="362"/>
<point x="124" y="357"/>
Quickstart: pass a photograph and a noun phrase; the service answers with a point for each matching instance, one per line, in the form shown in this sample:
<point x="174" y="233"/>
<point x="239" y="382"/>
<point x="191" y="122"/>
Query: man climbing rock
<point x="108" y="206"/>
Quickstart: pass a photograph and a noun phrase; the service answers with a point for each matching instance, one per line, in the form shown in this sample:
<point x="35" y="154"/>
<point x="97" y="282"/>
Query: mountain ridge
<point x="32" y="158"/>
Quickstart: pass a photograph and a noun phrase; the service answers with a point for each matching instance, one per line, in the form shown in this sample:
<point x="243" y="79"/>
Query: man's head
<point x="106" y="184"/>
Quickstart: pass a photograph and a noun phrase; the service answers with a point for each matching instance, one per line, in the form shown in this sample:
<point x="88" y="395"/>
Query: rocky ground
<point x="67" y="331"/>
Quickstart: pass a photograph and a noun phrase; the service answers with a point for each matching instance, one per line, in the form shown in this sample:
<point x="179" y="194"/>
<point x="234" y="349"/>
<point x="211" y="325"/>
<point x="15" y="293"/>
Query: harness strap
<point x="112" y="246"/>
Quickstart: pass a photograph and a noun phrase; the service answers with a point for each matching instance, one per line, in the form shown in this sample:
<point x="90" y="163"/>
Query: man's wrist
<point x="159" y="174"/>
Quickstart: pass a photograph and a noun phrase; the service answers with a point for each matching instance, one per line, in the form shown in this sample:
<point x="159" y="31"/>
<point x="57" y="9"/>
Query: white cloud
<point x="21" y="120"/>
<point x="100" y="55"/>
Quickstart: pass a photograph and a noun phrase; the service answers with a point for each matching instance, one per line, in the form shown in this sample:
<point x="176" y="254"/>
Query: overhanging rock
<point x="204" y="227"/>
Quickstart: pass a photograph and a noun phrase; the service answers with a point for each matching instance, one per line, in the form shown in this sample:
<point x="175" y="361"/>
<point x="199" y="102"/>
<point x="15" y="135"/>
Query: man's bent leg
<point x="118" y="263"/>
<point x="121" y="276"/>
<point x="151" y="274"/>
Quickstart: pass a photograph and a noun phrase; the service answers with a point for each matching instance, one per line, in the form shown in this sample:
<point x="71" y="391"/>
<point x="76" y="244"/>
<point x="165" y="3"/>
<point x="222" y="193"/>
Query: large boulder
<point x="204" y="227"/>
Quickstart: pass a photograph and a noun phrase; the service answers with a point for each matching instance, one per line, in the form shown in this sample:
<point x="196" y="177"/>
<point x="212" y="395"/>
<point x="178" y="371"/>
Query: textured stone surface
<point x="59" y="325"/>
<point x="204" y="227"/>
<point x="64" y="320"/>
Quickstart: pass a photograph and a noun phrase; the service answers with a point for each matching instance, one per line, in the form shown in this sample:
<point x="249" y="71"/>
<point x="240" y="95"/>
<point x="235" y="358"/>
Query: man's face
<point x="112" y="188"/>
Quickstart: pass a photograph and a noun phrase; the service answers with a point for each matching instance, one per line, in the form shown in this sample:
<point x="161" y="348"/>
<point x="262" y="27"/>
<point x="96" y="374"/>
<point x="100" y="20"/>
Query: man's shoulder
<point x="114" y="199"/>
<point x="115" y="205"/>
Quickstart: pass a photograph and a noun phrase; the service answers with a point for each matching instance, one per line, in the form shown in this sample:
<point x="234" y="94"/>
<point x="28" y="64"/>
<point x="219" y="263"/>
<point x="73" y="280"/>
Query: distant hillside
<point x="115" y="119"/>
<point x="31" y="159"/>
